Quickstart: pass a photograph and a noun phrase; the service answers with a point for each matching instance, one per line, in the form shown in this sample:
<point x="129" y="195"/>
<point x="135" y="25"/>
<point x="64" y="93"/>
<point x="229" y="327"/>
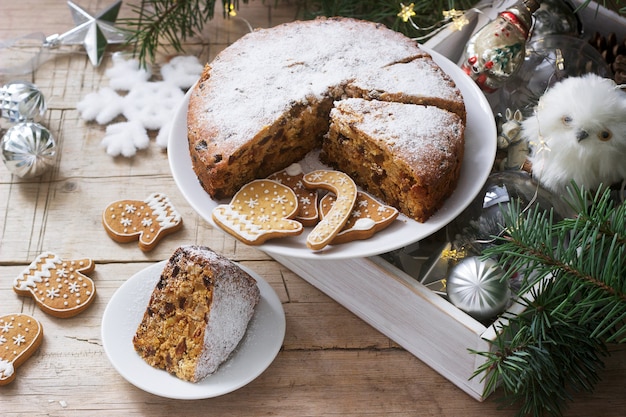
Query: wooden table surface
<point x="330" y="363"/>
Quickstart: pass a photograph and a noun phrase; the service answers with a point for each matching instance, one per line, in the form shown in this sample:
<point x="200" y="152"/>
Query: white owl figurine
<point x="578" y="133"/>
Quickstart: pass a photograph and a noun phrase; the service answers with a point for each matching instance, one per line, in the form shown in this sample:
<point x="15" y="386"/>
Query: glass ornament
<point x="549" y="60"/>
<point x="496" y="52"/>
<point x="556" y="17"/>
<point x="474" y="229"/>
<point x="21" y="101"/>
<point x="28" y="149"/>
<point x="476" y="287"/>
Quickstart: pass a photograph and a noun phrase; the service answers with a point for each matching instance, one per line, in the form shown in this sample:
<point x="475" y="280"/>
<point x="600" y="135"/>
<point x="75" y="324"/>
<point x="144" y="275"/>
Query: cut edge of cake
<point x="375" y="142"/>
<point x="198" y="313"/>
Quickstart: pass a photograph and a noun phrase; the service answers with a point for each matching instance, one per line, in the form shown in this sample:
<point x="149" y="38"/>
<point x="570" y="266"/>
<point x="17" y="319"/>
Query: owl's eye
<point x="566" y="120"/>
<point x="605" y="135"/>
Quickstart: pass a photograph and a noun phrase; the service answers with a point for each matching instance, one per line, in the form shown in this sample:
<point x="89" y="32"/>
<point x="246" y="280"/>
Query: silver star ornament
<point x="94" y="32"/>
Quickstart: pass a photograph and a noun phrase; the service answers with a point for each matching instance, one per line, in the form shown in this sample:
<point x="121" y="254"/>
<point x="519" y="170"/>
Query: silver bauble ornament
<point x="476" y="287"/>
<point x="28" y="149"/>
<point x="21" y="101"/>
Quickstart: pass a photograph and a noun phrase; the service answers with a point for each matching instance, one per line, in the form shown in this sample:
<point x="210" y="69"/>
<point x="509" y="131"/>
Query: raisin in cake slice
<point x="197" y="314"/>
<point x="407" y="155"/>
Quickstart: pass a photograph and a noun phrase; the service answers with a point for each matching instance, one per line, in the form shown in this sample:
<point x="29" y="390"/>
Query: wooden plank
<point x="331" y="363"/>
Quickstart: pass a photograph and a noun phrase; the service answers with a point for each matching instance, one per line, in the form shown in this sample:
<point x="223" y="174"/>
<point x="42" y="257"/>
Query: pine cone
<point x="619" y="69"/>
<point x="613" y="52"/>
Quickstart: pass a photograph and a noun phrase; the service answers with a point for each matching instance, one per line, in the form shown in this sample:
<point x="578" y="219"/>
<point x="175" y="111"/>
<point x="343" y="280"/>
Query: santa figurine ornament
<point x="578" y="133"/>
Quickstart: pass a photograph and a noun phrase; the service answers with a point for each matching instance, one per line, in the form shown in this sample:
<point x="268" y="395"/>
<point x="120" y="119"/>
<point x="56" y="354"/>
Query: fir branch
<point x="171" y="22"/>
<point x="573" y="298"/>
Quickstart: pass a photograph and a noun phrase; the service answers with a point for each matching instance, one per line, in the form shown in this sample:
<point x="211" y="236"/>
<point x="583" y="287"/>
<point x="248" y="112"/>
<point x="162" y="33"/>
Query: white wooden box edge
<point x="404" y="310"/>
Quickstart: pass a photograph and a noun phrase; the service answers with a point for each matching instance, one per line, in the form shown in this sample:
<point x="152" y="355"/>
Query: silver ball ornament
<point x="475" y="286"/>
<point x="28" y="149"/>
<point x="21" y="101"/>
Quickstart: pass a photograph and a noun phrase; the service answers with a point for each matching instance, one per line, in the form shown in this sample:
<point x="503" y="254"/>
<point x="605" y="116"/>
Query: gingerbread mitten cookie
<point x="147" y="221"/>
<point x="367" y="217"/>
<point x="291" y="176"/>
<point x="260" y="210"/>
<point x="20" y="336"/>
<point x="58" y="286"/>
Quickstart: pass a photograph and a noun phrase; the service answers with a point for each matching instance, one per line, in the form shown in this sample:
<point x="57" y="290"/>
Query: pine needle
<point x="575" y="302"/>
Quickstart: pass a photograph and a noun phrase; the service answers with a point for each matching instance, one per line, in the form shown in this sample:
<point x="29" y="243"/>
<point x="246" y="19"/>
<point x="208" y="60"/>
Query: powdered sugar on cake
<point x="423" y="146"/>
<point x="256" y="85"/>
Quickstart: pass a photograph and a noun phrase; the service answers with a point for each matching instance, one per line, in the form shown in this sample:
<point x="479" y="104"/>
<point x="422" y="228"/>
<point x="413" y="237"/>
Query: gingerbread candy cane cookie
<point x="147" y="221"/>
<point x="345" y="189"/>
<point x="260" y="210"/>
<point x="58" y="286"/>
<point x="20" y="336"/>
<point x="291" y="176"/>
<point x="368" y="217"/>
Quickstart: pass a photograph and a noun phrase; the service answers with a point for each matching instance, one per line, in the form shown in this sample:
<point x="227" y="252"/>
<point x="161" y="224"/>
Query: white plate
<point x="257" y="350"/>
<point x="480" y="150"/>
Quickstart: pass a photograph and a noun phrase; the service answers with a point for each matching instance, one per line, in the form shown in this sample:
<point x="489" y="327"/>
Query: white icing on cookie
<point x="167" y="216"/>
<point x="37" y="271"/>
<point x="6" y="369"/>
<point x="294" y="169"/>
<point x="364" y="224"/>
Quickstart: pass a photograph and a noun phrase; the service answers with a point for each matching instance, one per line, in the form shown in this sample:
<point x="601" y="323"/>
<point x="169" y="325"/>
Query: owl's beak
<point x="581" y="134"/>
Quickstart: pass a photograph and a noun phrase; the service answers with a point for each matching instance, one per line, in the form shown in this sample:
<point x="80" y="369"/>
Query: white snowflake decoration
<point x="74" y="287"/>
<point x="148" y="105"/>
<point x="19" y="339"/>
<point x="52" y="293"/>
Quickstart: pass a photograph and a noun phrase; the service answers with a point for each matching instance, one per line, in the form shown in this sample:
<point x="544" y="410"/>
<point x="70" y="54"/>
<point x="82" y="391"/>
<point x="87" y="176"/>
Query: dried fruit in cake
<point x="368" y="217"/>
<point x="198" y="313"/>
<point x="263" y="103"/>
<point x="261" y="210"/>
<point x="308" y="213"/>
<point x="345" y="190"/>
<point x="146" y="221"/>
<point x="20" y="336"/>
<point x="407" y="155"/>
<point x="58" y="286"/>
